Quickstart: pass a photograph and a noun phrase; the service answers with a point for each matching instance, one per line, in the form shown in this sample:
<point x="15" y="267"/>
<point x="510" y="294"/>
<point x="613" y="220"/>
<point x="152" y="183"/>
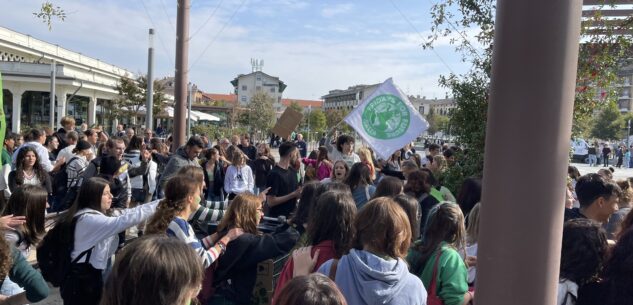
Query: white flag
<point x="387" y="120"/>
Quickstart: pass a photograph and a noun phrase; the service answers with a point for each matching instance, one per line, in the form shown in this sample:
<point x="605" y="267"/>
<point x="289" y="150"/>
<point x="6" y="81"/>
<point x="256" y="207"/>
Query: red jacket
<point x="326" y="253"/>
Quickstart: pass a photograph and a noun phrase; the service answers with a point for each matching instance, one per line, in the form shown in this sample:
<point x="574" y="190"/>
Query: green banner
<point x="3" y="125"/>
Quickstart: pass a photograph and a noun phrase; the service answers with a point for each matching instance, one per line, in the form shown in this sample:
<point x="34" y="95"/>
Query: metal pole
<point x="309" y="112"/>
<point x="181" y="75"/>
<point x="189" y="91"/>
<point x="519" y="257"/>
<point x="149" y="108"/>
<point x="52" y="95"/>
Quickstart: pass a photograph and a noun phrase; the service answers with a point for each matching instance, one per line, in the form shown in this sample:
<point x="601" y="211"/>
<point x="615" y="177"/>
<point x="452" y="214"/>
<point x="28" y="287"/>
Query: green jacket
<point x="28" y="278"/>
<point x="452" y="274"/>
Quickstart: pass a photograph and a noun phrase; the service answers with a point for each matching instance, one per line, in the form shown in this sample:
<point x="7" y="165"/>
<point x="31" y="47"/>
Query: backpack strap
<point x="333" y="268"/>
<point x="89" y="251"/>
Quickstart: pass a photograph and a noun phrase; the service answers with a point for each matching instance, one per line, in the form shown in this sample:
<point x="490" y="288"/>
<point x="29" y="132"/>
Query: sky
<point x="313" y="46"/>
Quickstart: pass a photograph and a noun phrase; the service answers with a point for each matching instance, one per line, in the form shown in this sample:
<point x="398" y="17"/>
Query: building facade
<point x="440" y="106"/>
<point x="84" y="85"/>
<point x="347" y="98"/>
<point x="247" y="85"/>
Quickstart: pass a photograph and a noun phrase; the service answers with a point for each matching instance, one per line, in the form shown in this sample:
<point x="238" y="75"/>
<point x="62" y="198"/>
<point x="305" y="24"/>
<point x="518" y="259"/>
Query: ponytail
<point x="177" y="189"/>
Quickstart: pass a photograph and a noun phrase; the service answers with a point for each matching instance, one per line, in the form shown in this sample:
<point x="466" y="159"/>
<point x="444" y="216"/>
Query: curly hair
<point x="176" y="193"/>
<point x="37" y="167"/>
<point x="242" y="213"/>
<point x="6" y="259"/>
<point x="583" y="250"/>
<point x="339" y="227"/>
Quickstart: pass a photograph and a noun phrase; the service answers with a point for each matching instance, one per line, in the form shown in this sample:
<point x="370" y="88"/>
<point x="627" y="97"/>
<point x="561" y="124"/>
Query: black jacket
<point x="237" y="268"/>
<point x="218" y="179"/>
<point x="13" y="184"/>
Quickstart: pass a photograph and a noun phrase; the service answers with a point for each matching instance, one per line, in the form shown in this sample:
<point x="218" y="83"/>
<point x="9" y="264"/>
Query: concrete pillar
<point x="535" y="58"/>
<point x="17" y="109"/>
<point x="92" y="111"/>
<point x="62" y="97"/>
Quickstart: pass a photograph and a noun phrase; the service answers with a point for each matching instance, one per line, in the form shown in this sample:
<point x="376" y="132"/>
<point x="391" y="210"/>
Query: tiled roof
<point x="303" y="103"/>
<point x="221" y="97"/>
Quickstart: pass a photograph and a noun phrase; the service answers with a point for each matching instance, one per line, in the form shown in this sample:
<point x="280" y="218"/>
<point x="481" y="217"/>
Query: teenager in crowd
<point x="582" y="254"/>
<point x="262" y="166"/>
<point x="389" y="187"/>
<point x="328" y="237"/>
<point x="95" y="239"/>
<point x="237" y="268"/>
<point x="14" y="266"/>
<point x="624" y="207"/>
<point x="313" y="289"/>
<point x="616" y="281"/>
<point x="366" y="158"/>
<point x="322" y="164"/>
<point x="306" y="202"/>
<point x="469" y="194"/>
<point x="598" y="199"/>
<point x="51" y="145"/>
<point x="28" y="170"/>
<point x="158" y="270"/>
<point x="360" y="182"/>
<point x="213" y="169"/>
<point x="283" y="182"/>
<point x="339" y="172"/>
<point x="412" y="208"/>
<point x="7" y="150"/>
<point x="28" y="201"/>
<point x="374" y="270"/>
<point x="239" y="177"/>
<point x="419" y="186"/>
<point x="182" y="199"/>
<point x="437" y="261"/>
<point x="472" y="240"/>
<point x="344" y="150"/>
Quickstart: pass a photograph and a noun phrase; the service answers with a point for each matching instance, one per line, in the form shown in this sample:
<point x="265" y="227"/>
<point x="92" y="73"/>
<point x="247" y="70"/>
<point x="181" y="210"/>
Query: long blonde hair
<point x="365" y="153"/>
<point x="242" y="213"/>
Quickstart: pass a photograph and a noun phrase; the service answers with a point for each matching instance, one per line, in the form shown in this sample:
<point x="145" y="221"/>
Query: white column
<point x="92" y="111"/>
<point x="61" y="106"/>
<point x="17" y="109"/>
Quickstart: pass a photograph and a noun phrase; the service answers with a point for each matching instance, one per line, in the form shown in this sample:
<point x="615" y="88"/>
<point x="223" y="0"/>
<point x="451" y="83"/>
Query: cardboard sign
<point x="287" y="123"/>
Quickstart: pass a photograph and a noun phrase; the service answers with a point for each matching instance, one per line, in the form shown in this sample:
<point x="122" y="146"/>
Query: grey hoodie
<point x="176" y="162"/>
<point x="365" y="278"/>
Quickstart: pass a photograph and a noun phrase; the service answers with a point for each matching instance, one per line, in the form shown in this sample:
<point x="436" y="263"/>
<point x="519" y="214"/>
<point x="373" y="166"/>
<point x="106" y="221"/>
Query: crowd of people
<point x="140" y="223"/>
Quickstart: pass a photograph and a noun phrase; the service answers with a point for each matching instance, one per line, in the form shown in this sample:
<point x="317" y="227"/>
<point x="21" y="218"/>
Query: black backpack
<point x="53" y="253"/>
<point x="60" y="180"/>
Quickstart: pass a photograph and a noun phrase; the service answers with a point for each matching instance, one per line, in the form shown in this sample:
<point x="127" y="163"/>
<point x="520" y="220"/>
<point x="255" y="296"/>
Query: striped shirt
<point x="180" y="228"/>
<point x="209" y="211"/>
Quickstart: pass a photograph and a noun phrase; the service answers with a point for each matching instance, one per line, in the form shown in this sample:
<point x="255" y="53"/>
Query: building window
<point x="243" y="98"/>
<point x="258" y="88"/>
<point x="243" y="87"/>
<point x="259" y="78"/>
<point x="272" y="89"/>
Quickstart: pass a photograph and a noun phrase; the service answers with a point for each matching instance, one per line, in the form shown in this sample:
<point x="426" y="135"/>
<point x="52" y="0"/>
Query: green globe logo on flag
<point x="386" y="117"/>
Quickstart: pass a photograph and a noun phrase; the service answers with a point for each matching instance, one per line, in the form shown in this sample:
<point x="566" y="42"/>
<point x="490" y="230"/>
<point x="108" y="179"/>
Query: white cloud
<point x="337" y="9"/>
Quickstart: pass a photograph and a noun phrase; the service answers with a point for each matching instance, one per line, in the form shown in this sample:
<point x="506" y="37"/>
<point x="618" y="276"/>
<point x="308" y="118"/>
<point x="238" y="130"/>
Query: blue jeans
<point x="593" y="160"/>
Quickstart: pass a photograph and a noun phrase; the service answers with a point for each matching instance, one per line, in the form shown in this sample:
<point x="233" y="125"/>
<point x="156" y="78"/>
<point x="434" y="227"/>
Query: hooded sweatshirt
<point x="365" y="278"/>
<point x="176" y="162"/>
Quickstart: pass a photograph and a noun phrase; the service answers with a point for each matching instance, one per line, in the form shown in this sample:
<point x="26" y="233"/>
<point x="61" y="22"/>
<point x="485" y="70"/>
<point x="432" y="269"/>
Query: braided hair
<point x="177" y="189"/>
